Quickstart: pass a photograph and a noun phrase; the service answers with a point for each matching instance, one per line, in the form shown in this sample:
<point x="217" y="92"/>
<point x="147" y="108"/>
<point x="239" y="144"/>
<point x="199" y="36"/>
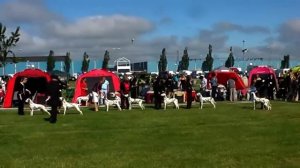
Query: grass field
<point x="233" y="135"/>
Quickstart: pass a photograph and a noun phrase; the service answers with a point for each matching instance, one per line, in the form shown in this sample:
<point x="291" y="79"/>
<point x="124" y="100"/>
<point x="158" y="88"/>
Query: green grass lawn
<point x="233" y="135"/>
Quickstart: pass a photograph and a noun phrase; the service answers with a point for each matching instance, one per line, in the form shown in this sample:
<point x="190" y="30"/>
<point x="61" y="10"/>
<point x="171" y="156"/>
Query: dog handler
<point x="96" y="93"/>
<point x="54" y="89"/>
<point x="22" y="95"/>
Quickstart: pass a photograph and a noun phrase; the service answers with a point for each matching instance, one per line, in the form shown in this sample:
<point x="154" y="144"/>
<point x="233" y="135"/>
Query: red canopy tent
<point x="92" y="77"/>
<point x="263" y="72"/>
<point x="37" y="80"/>
<point x="224" y="76"/>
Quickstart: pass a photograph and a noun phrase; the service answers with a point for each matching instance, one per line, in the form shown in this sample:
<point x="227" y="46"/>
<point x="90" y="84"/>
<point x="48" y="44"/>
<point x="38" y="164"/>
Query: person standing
<point x="170" y="86"/>
<point x="158" y="90"/>
<point x="3" y="84"/>
<point x="203" y="85"/>
<point x="96" y="93"/>
<point x="271" y="87"/>
<point x="22" y="95"/>
<point x="134" y="87"/>
<point x="54" y="92"/>
<point x="214" y="85"/>
<point x="104" y="89"/>
<point x="189" y="90"/>
<point x="232" y="89"/>
<point x="182" y="84"/>
<point x="83" y="87"/>
<point x="125" y="90"/>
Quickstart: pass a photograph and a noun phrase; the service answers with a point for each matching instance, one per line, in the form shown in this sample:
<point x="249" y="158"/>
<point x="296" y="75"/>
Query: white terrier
<point x="83" y="98"/>
<point x="135" y="100"/>
<point x="169" y="101"/>
<point x="116" y="101"/>
<point x="66" y="105"/>
<point x="206" y="99"/>
<point x="266" y="102"/>
<point x="33" y="106"/>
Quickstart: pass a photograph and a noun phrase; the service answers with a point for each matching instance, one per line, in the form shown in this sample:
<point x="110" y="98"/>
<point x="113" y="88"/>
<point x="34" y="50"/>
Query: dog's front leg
<point x="141" y="105"/>
<point x="45" y="110"/>
<point x="213" y="104"/>
<point x="65" y="109"/>
<point x="119" y="107"/>
<point x="201" y="104"/>
<point x="130" y="104"/>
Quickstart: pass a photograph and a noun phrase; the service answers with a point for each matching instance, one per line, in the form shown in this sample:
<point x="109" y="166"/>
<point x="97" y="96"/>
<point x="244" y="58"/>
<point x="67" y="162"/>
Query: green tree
<point x="68" y="62"/>
<point x="230" y="60"/>
<point x="208" y="63"/>
<point x="179" y="68"/>
<point x="85" y="63"/>
<point x="185" y="61"/>
<point x="285" y="63"/>
<point x="50" y="61"/>
<point x="6" y="43"/>
<point x="105" y="60"/>
<point x="162" y="64"/>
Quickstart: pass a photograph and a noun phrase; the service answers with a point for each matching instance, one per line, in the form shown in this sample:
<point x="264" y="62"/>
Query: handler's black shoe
<point x="53" y="121"/>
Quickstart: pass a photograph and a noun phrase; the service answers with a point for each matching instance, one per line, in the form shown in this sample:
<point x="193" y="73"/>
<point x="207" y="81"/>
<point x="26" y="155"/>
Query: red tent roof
<point x="223" y="77"/>
<point x="261" y="70"/>
<point x="29" y="73"/>
<point x="96" y="73"/>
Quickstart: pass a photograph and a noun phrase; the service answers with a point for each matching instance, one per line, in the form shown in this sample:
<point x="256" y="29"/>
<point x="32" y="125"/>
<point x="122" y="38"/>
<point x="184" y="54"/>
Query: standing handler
<point x="189" y="91"/>
<point x="22" y="95"/>
<point x="54" y="92"/>
<point x="125" y="88"/>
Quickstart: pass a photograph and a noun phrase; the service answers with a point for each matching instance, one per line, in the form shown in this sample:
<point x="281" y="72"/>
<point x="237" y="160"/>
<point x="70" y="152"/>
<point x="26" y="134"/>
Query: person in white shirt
<point x="3" y="84"/>
<point x="203" y="85"/>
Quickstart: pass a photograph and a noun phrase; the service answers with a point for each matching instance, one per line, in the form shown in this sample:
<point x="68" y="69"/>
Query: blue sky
<point x="271" y="29"/>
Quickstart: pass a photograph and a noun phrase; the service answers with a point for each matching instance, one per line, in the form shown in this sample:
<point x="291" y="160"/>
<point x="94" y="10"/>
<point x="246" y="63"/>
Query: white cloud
<point x="26" y="12"/>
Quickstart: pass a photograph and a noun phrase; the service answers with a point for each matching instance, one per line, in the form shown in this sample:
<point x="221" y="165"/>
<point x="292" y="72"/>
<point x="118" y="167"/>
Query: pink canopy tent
<point x="263" y="72"/>
<point x="92" y="77"/>
<point x="37" y="81"/>
<point x="223" y="77"/>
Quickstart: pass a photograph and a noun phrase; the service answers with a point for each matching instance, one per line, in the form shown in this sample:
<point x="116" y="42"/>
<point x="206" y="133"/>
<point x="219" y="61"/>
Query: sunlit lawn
<point x="233" y="135"/>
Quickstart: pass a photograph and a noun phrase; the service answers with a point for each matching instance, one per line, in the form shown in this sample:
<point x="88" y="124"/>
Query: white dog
<point x="83" y="98"/>
<point x="116" y="101"/>
<point x="66" y="105"/>
<point x="170" y="100"/>
<point x="33" y="106"/>
<point x="206" y="99"/>
<point x="266" y="102"/>
<point x="135" y="100"/>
